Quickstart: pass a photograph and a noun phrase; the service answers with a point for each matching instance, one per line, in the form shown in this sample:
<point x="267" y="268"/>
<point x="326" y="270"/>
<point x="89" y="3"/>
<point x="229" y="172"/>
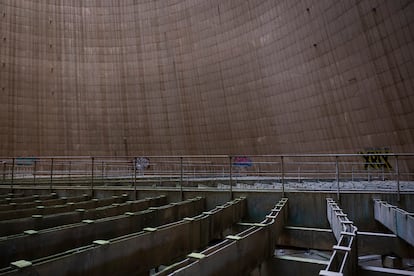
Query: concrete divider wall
<point x="67" y="207"/>
<point x="225" y="218"/>
<point x="247" y="254"/>
<point x="358" y="205"/>
<point x="291" y="267"/>
<point x="306" y="208"/>
<point x="399" y="221"/>
<point x="370" y="243"/>
<point x="344" y="260"/>
<point x="237" y="254"/>
<point x="52" y="241"/>
<point x="176" y="211"/>
<point x="5" y="194"/>
<point x="47" y="202"/>
<point x="28" y="198"/>
<point x="10" y="227"/>
<point x="136" y="253"/>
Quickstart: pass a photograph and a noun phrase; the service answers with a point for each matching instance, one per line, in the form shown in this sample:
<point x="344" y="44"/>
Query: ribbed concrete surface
<point x="131" y="77"/>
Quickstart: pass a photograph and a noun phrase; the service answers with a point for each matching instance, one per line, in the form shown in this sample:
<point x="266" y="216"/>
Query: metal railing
<point x="336" y="172"/>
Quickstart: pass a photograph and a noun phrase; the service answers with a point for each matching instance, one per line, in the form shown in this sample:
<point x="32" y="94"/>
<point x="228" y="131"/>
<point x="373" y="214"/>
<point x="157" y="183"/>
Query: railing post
<point x="397" y="169"/>
<point x="12" y="174"/>
<point x="135" y="177"/>
<point x="231" y="177"/>
<point x="282" y="168"/>
<point x="337" y="178"/>
<point x="70" y="172"/>
<point x="317" y="176"/>
<point x="34" y="172"/>
<point x="4" y="172"/>
<point x="181" y="178"/>
<point x="102" y="171"/>
<point x="92" y="175"/>
<point x="51" y="174"/>
<point x="352" y="175"/>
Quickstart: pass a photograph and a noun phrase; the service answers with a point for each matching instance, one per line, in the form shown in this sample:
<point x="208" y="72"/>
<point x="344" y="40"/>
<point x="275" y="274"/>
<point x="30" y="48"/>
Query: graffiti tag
<point x="142" y="163"/>
<point x="376" y="159"/>
<point x="25" y="161"/>
<point x="242" y="161"/>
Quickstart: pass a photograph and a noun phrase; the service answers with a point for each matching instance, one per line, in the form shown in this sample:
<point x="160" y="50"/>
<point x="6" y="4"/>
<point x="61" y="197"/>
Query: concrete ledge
<point x="342" y="248"/>
<point x="129" y="213"/>
<point x="307" y="237"/>
<point x="31" y="232"/>
<point x="101" y="242"/>
<point x="150" y="229"/>
<point x="290" y="265"/>
<point x="198" y="256"/>
<point x="232" y="237"/>
<point x="383" y="243"/>
<point x="381" y="271"/>
<point x="302" y="260"/>
<point x="329" y="273"/>
<point x="21" y="264"/>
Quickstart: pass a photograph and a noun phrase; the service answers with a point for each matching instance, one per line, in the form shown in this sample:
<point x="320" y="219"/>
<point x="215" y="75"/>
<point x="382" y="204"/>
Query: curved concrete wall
<point x="108" y="77"/>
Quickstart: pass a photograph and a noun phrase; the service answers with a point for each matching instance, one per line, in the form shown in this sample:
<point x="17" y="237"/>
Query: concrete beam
<point x="140" y="252"/>
<point x="237" y="254"/>
<point x="67" y="207"/>
<point x="28" y="198"/>
<point x="306" y="237"/>
<point x="381" y="243"/>
<point x="381" y="271"/>
<point x="10" y="195"/>
<point x="344" y="260"/>
<point x="287" y="265"/>
<point x="397" y="220"/>
<point x="36" y="244"/>
<point x="47" y="202"/>
<point x="322" y="239"/>
<point x="38" y="222"/>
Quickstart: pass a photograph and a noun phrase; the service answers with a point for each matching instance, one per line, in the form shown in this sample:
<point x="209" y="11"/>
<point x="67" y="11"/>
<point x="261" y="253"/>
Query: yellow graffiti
<point x="376" y="159"/>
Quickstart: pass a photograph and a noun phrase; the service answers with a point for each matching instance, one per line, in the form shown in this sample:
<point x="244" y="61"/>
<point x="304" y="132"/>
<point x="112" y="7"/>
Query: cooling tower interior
<point x="119" y="78"/>
<point x="207" y="137"/>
